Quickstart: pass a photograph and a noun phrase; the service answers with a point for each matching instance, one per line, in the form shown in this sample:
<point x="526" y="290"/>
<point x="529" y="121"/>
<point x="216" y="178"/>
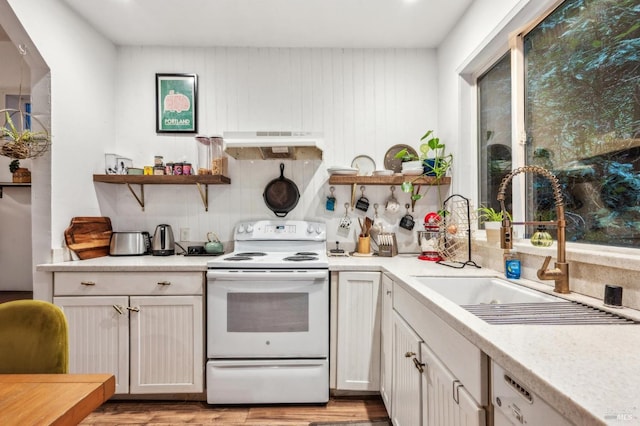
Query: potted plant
<point x="434" y="161"/>
<point x="21" y="144"/>
<point x="19" y="174"/>
<point x="492" y="220"/>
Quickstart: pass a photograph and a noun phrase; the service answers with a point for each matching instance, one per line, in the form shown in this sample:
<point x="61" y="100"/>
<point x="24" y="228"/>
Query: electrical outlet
<point x="185" y="234"/>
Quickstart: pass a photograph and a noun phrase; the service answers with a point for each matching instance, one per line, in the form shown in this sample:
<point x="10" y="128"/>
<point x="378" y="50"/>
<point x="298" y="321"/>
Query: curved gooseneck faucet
<point x="560" y="274"/>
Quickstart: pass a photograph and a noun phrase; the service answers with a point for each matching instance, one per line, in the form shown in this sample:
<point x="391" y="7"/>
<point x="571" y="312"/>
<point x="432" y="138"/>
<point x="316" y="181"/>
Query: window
<point x="494" y="136"/>
<point x="582" y="118"/>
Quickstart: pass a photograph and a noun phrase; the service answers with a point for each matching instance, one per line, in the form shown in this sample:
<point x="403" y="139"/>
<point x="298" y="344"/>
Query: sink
<point x="498" y="301"/>
<point x="484" y="290"/>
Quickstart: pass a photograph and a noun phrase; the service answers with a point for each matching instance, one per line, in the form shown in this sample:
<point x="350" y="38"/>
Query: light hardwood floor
<point x="338" y="410"/>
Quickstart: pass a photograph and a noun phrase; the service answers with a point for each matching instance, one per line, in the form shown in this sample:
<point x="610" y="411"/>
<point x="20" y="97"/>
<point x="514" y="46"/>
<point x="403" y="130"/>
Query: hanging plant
<point x="22" y="144"/>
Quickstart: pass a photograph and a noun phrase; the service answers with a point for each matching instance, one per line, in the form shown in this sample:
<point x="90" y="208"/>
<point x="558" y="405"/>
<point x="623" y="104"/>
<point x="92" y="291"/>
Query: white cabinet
<point x="406" y="398"/>
<point x="358" y="331"/>
<point x="145" y="328"/>
<point x="445" y="400"/>
<point x="386" y="342"/>
<point x="439" y="377"/>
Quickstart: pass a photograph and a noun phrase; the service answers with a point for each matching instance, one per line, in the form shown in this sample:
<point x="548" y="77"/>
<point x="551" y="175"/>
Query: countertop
<point x="588" y="373"/>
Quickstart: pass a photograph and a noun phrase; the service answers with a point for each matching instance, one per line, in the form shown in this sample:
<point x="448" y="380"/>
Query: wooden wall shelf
<point x="198" y="180"/>
<point x="12" y="184"/>
<point x="386" y="180"/>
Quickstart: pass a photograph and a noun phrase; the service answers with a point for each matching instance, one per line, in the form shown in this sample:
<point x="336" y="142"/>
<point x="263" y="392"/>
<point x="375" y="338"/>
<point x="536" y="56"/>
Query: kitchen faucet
<point x="560" y="274"/>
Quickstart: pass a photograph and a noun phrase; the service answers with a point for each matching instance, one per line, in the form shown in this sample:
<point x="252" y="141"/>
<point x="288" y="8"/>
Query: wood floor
<point x="349" y="410"/>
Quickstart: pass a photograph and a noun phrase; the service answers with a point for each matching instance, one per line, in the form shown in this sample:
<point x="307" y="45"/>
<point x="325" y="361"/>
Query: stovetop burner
<point x="251" y="253"/>
<point x="232" y="258"/>
<point x="306" y="253"/>
<point x="300" y="258"/>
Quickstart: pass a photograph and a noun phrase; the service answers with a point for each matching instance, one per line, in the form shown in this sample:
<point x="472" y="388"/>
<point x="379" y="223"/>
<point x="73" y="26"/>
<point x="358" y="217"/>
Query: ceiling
<point x="273" y="23"/>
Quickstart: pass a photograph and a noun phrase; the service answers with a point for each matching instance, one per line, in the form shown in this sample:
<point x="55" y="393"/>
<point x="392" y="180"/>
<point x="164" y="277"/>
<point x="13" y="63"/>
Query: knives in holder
<point x="387" y="244"/>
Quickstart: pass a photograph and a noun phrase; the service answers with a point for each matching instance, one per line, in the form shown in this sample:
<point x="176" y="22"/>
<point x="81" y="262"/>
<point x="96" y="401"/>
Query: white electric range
<point x="268" y="316"/>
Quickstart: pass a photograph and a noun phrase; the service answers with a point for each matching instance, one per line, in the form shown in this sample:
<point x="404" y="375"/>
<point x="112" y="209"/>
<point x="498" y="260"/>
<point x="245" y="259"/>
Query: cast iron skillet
<point x="281" y="195"/>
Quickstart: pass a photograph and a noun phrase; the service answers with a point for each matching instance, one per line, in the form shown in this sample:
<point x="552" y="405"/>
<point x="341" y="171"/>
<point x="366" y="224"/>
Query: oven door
<point x="267" y="314"/>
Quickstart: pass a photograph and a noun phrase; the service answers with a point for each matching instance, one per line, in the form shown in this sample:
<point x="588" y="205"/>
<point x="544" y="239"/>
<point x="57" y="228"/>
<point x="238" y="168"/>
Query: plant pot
<point x="411" y="165"/>
<point x="493" y="232"/>
<point x="430" y="165"/>
<point x="22" y="175"/>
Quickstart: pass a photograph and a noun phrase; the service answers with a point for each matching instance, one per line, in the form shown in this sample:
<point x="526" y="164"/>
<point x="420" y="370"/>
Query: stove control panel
<point x="281" y="230"/>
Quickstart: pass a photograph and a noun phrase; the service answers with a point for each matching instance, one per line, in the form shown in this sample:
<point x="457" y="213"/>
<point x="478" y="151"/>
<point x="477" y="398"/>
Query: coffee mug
<point x="362" y="204"/>
<point x="407" y="222"/>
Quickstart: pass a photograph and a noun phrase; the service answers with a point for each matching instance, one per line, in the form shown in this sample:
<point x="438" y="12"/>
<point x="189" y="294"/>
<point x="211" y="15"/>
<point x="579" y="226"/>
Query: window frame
<point x="514" y="28"/>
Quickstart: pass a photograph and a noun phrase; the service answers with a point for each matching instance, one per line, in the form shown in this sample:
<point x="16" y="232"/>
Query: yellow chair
<point x="34" y="338"/>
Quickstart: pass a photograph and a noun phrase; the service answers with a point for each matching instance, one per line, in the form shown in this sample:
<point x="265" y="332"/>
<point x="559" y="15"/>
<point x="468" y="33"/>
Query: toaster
<point x="130" y="244"/>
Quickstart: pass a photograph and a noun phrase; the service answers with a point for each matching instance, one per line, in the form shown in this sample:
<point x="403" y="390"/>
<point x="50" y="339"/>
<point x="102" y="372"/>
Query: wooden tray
<point x="89" y="237"/>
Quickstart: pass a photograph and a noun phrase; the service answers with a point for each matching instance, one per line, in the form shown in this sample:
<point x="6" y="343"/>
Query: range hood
<point x="267" y="145"/>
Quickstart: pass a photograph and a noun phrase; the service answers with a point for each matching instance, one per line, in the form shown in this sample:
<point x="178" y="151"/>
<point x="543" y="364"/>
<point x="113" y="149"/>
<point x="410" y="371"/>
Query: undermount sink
<point x="498" y="301"/>
<point x="484" y="290"/>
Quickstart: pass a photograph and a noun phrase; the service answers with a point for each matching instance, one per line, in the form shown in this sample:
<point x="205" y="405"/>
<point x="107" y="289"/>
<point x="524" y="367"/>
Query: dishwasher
<point x="514" y="404"/>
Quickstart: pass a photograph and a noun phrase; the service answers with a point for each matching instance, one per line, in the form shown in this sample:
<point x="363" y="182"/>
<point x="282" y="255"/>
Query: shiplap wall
<point x="363" y="100"/>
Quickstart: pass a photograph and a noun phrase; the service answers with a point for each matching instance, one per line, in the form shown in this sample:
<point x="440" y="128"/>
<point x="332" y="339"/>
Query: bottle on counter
<point x="511" y="264"/>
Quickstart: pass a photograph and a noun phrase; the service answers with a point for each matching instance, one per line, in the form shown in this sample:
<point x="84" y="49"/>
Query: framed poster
<point x="176" y="103"/>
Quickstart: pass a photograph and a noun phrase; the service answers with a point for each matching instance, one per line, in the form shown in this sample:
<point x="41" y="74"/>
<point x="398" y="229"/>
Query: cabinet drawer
<point x="468" y="363"/>
<point x="127" y="283"/>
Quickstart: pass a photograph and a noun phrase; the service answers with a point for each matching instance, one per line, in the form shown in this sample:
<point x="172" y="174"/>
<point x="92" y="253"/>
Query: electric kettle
<point x="163" y="243"/>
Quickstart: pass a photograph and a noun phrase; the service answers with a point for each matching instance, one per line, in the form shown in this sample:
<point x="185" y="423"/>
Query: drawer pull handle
<point x="118" y="308"/>
<point x="87" y="282"/>
<point x="409" y="354"/>
<point x="164" y="283"/>
<point x="133" y="309"/>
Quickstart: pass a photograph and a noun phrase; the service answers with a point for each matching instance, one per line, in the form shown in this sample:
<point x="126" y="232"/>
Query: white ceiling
<point x="273" y="23"/>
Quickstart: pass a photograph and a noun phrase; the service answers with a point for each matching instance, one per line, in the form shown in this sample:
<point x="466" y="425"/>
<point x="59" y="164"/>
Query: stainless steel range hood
<point x="269" y="145"/>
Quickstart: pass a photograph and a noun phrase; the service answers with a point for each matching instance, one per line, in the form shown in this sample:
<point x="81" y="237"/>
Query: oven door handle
<point x="281" y="275"/>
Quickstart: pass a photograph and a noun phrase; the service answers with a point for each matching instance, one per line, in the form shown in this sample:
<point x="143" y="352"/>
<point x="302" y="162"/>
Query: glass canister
<point x="219" y="160"/>
<point x="204" y="155"/>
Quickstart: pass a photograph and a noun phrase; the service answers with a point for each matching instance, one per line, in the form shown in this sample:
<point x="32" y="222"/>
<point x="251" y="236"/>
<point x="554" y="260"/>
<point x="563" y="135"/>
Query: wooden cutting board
<point x="89" y="237"/>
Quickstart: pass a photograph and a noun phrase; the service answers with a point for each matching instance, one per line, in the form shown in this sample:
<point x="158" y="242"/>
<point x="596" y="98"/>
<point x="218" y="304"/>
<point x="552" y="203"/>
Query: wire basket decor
<point x="22" y="135"/>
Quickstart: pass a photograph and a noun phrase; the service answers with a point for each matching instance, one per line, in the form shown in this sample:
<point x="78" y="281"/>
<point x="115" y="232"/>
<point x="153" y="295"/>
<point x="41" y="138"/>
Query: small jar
<point x="177" y="169"/>
<point x="158" y="161"/>
<point x="158" y="170"/>
<point x="168" y="169"/>
<point x="186" y="169"/>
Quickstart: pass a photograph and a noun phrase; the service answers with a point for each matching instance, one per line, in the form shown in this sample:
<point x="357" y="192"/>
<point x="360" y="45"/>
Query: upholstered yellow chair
<point x="34" y="338"/>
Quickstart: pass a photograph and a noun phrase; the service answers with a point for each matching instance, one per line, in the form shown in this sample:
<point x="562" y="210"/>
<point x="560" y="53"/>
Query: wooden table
<point x="52" y="399"/>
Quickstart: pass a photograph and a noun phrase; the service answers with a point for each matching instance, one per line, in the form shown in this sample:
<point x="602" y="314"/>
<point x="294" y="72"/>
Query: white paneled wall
<point x="363" y="100"/>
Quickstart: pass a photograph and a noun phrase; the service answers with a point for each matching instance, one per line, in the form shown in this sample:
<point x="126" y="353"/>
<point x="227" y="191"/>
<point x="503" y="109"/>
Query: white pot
<point x="411" y="165"/>
<point x="493" y="232"/>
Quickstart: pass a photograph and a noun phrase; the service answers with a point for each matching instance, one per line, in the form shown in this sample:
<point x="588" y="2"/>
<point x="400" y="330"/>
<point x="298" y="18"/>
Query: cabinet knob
<point x="388" y="292"/>
<point x="87" y="283"/>
<point x="118" y="309"/>
<point x="133" y="308"/>
<point x="409" y="354"/>
<point x="164" y="283"/>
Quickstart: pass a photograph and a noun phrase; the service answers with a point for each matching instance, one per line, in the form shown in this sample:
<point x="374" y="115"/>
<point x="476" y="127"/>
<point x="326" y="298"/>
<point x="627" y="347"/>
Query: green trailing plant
<point x="436" y="162"/>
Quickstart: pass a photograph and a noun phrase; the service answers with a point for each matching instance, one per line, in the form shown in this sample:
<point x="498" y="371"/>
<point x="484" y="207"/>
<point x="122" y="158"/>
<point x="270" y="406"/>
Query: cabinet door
<point x="445" y="400"/>
<point x="167" y="352"/>
<point x="386" y="342"/>
<point x="358" y="351"/>
<point x="98" y="336"/>
<point x="406" y="398"/>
